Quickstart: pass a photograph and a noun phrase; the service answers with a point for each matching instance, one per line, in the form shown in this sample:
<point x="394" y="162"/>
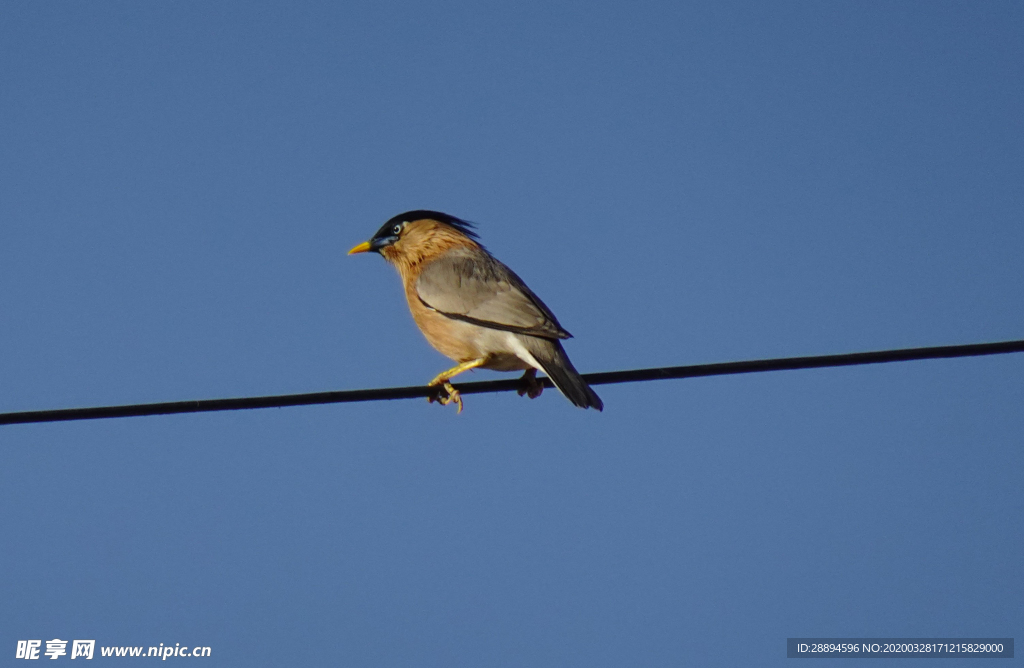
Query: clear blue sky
<point x="680" y="182"/>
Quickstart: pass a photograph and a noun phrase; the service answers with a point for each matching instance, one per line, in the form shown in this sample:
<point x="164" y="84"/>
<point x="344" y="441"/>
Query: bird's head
<point x="416" y="235"/>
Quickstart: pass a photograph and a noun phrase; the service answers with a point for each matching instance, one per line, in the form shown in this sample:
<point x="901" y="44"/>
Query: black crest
<point x="463" y="226"/>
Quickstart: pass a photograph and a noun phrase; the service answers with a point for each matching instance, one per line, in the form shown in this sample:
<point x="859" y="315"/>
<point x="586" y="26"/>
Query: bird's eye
<point x="397" y="229"/>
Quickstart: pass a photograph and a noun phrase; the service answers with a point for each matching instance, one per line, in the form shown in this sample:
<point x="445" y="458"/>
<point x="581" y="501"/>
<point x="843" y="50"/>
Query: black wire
<point x="632" y="376"/>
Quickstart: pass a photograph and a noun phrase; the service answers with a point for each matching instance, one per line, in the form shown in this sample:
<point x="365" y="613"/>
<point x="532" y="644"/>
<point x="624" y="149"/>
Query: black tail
<point x="563" y="374"/>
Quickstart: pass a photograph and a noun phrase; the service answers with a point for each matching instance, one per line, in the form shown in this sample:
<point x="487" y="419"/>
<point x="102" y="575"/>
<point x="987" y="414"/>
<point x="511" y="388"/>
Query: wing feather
<point x="469" y="284"/>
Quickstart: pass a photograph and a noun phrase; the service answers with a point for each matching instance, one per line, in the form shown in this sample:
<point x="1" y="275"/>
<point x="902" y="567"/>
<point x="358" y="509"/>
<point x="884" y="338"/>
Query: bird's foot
<point x="529" y="385"/>
<point x="445" y="394"/>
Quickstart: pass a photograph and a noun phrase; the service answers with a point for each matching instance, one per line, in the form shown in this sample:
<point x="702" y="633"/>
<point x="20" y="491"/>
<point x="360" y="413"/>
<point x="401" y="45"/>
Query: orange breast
<point x="449" y="337"/>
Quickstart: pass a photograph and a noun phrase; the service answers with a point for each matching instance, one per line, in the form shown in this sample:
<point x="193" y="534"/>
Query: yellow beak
<point x="361" y="248"/>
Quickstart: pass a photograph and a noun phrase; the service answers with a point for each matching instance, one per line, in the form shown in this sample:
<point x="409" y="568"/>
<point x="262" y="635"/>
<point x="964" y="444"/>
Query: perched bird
<point x="473" y="308"/>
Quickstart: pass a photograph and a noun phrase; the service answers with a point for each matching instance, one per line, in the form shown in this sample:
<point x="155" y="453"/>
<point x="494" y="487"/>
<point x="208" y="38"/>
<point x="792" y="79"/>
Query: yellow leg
<point x="451" y="393"/>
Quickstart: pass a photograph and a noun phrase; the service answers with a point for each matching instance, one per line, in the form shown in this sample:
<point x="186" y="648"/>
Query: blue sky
<point x="680" y="182"/>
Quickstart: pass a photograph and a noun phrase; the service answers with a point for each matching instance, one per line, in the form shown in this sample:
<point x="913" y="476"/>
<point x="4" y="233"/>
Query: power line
<point x="607" y="378"/>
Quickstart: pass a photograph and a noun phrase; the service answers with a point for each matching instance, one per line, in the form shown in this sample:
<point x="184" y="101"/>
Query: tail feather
<point x="555" y="363"/>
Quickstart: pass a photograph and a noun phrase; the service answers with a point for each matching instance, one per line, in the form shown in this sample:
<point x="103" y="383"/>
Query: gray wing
<point x="470" y="285"/>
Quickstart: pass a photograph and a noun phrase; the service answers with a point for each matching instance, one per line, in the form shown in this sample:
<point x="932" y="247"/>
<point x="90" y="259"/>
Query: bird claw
<point x="529" y="385"/>
<point x="445" y="395"/>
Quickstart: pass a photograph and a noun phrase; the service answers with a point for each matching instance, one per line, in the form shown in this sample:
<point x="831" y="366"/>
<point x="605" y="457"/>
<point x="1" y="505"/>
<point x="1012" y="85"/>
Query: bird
<point x="474" y="309"/>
